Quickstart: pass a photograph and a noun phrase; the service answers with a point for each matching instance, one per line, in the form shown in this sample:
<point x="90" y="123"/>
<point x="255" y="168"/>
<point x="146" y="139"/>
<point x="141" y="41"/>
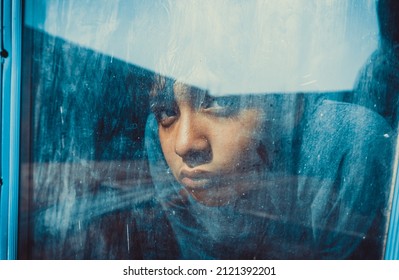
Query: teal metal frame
<point x="11" y="30"/>
<point x="392" y="243"/>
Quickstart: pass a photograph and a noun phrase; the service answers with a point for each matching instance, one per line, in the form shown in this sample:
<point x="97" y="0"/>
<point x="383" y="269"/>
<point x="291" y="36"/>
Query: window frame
<point x="11" y="40"/>
<point x="392" y="242"/>
<point x="11" y="20"/>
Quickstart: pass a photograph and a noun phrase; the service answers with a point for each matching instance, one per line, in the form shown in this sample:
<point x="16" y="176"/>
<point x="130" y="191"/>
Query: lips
<point x="195" y="179"/>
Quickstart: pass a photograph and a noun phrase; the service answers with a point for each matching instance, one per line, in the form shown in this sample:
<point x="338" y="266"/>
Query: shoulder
<point x="339" y="127"/>
<point x="340" y="136"/>
<point x="347" y="117"/>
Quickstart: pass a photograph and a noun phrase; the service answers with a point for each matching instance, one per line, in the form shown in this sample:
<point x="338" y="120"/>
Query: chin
<point x="213" y="197"/>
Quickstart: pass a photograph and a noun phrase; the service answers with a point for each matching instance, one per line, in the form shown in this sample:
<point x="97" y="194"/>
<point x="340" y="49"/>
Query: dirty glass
<point x="207" y="129"/>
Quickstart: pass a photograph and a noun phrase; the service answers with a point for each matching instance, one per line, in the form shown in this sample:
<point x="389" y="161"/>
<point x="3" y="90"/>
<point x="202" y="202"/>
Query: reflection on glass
<point x="195" y="140"/>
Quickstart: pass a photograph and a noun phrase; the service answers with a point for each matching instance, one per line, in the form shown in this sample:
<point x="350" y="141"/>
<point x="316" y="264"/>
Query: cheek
<point x="235" y="146"/>
<point x="167" y="145"/>
<point x="235" y="149"/>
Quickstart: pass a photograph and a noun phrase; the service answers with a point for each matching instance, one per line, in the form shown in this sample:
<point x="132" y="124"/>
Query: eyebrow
<point x="192" y="94"/>
<point x="162" y="93"/>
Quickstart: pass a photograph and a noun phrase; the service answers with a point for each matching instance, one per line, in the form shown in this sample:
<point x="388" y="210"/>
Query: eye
<point x="215" y="104"/>
<point x="165" y="116"/>
<point x="221" y="106"/>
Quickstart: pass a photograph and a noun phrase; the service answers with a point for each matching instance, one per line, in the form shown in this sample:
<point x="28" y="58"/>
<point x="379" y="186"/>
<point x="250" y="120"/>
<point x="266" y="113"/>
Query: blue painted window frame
<point x="11" y="28"/>
<point x="392" y="244"/>
<point x="11" y="41"/>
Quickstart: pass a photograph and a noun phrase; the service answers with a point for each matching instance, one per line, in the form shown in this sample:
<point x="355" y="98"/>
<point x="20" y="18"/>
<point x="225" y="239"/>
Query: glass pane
<point x="207" y="129"/>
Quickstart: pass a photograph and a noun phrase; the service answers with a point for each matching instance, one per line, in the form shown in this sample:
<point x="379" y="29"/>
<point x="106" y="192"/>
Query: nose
<point x="191" y="141"/>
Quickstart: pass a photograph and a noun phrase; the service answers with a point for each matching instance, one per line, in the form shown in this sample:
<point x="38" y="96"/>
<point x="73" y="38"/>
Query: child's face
<point x="210" y="144"/>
